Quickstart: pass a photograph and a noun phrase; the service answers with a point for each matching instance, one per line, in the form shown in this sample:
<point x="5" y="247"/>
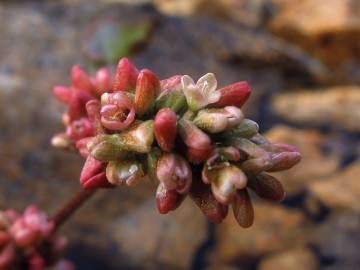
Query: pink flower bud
<point x="147" y="88"/>
<point x="77" y="105"/>
<point x="174" y="172"/>
<point x="166" y="200"/>
<point x="233" y="95"/>
<point x="171" y="84"/>
<point x="102" y="81"/>
<point x="63" y="93"/>
<point x="7" y="255"/>
<point x="205" y="200"/>
<point x="81" y="146"/>
<point x="192" y="136"/>
<point x="197" y="156"/>
<point x="165" y="128"/>
<point x="243" y="209"/>
<point x="126" y="76"/>
<point x="93" y="174"/>
<point x="80" y="129"/>
<point x="117" y="112"/>
<point x="80" y="79"/>
<point x="284" y="161"/>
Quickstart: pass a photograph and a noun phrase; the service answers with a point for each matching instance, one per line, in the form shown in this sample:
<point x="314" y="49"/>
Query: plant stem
<point x="70" y="207"/>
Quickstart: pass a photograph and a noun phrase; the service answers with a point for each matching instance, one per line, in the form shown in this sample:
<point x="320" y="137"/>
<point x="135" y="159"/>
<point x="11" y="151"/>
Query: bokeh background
<point x="302" y="58"/>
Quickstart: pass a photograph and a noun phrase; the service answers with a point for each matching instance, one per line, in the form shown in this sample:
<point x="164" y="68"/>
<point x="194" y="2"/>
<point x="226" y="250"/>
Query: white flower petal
<point x="207" y="82"/>
<point x="187" y="81"/>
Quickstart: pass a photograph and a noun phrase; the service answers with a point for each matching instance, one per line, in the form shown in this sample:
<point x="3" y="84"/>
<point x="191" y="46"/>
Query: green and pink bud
<point x="167" y="200"/>
<point x="125" y="77"/>
<point x="124" y="172"/>
<point x="165" y="128"/>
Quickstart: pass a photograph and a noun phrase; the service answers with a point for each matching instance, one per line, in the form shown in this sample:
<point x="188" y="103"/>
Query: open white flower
<point x="202" y="93"/>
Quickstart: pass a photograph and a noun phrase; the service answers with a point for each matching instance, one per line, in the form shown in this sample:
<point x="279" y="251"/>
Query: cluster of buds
<point x="27" y="242"/>
<point x="189" y="138"/>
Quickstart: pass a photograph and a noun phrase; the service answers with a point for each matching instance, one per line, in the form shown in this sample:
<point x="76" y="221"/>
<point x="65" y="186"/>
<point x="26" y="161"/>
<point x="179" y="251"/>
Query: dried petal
<point x="267" y="187"/>
<point x="233" y="95"/>
<point x="147" y="89"/>
<point x="165" y="128"/>
<point x="243" y="209"/>
<point x="124" y="172"/>
<point x="126" y="76"/>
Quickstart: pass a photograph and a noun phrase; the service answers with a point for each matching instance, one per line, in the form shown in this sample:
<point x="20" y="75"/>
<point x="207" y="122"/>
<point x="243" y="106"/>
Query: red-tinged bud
<point x="243" y="209"/>
<point x="77" y="105"/>
<point x="279" y="147"/>
<point x="165" y="128"/>
<point x="93" y="174"/>
<point x="256" y="165"/>
<point x="117" y="112"/>
<point x="284" y="161"/>
<point x="80" y="80"/>
<point x="267" y="187"/>
<point x="4" y="238"/>
<point x="197" y="156"/>
<point x="93" y="108"/>
<point x="81" y="146"/>
<point x="171" y="84"/>
<point x="174" y="172"/>
<point x="166" y="200"/>
<point x="147" y="89"/>
<point x="124" y="172"/>
<point x="233" y="95"/>
<point x="125" y="77"/>
<point x="205" y="200"/>
<point x="7" y="255"/>
<point x="36" y="262"/>
<point x="102" y="81"/>
<point x="192" y="136"/>
<point x="63" y="93"/>
<point x="80" y="129"/>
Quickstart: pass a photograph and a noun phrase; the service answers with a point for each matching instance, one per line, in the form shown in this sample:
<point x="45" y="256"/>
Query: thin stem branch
<point x="70" y="207"/>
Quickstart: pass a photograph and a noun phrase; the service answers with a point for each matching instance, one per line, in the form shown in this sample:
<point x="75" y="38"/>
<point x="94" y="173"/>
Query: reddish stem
<point x="70" y="207"/>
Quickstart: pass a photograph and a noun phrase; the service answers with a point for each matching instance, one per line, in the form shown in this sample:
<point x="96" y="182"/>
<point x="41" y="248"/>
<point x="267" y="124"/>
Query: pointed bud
<point x="106" y="147"/>
<point x="7" y="255"/>
<point x="147" y="89"/>
<point x="80" y="129"/>
<point x="62" y="141"/>
<point x="256" y="165"/>
<point x="233" y="95"/>
<point x="173" y="99"/>
<point x="174" y="172"/>
<point x="126" y="76"/>
<point x="93" y="174"/>
<point x="196" y="156"/>
<point x="80" y="80"/>
<point x="284" y="161"/>
<point x="278" y="147"/>
<point x="217" y="120"/>
<point x="267" y="187"/>
<point x="165" y="128"/>
<point x="62" y="93"/>
<point x="205" y="200"/>
<point x="246" y="129"/>
<point x="243" y="209"/>
<point x="124" y="172"/>
<point x="117" y="112"/>
<point x="166" y="200"/>
<point x="77" y="105"/>
<point x="103" y="81"/>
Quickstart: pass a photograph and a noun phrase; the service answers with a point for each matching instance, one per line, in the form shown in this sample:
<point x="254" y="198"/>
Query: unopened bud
<point x="124" y="172"/>
<point x="243" y="209"/>
<point x="284" y="161"/>
<point x="246" y="129"/>
<point x="166" y="200"/>
<point x="102" y="81"/>
<point x="80" y="79"/>
<point x="93" y="174"/>
<point x="233" y="95"/>
<point x="125" y="77"/>
<point x="165" y="128"/>
<point x="267" y="187"/>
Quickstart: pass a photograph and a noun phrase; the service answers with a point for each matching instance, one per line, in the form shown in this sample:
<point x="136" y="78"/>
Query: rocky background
<point x="302" y="58"/>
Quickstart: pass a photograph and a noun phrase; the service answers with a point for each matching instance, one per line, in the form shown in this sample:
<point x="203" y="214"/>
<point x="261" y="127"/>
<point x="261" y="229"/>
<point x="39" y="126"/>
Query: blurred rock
<point x="340" y="191"/>
<point x="153" y="241"/>
<point x="315" y="163"/>
<point x="338" y="107"/>
<point x="275" y="228"/>
<point x="296" y="259"/>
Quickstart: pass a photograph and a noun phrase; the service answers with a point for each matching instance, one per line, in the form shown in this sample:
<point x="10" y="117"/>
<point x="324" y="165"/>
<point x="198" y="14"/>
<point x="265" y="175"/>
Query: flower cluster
<point x="190" y="138"/>
<point x="27" y="242"/>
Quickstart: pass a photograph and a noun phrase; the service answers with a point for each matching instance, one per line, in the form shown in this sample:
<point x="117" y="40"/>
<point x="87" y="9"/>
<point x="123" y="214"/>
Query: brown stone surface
<point x="341" y="190"/>
<point x="296" y="259"/>
<point x="338" y="107"/>
<point x="275" y="228"/>
<point x="315" y="164"/>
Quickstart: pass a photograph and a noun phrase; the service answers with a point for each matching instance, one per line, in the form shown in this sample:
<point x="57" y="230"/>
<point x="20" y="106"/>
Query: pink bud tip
<point x="166" y="200"/>
<point x="77" y="105"/>
<point x="80" y="129"/>
<point x="103" y="81"/>
<point x="233" y="95"/>
<point x="80" y="79"/>
<point x="165" y="128"/>
<point x="62" y="93"/>
<point x="93" y="174"/>
<point x="126" y="76"/>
